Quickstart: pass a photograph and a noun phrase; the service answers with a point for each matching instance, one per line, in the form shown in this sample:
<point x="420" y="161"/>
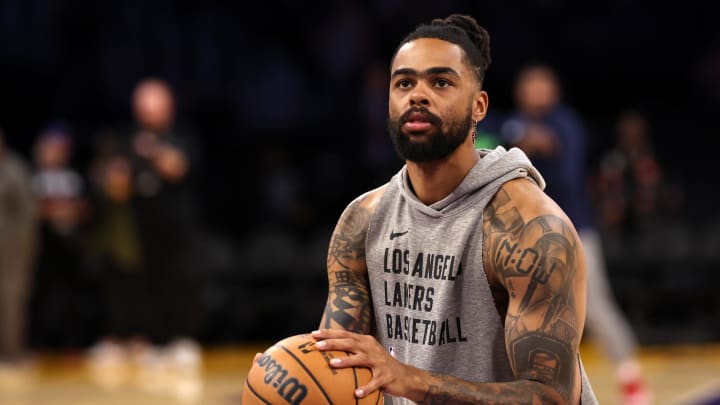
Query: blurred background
<point x="171" y="171"/>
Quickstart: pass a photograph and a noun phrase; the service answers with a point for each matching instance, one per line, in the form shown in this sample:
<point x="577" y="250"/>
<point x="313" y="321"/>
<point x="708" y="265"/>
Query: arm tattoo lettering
<point x="348" y="305"/>
<point x="347" y="247"/>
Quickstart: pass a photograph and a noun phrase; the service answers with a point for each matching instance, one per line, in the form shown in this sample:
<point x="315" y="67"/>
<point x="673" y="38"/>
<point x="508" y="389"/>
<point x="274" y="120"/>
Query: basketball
<point x="293" y="371"/>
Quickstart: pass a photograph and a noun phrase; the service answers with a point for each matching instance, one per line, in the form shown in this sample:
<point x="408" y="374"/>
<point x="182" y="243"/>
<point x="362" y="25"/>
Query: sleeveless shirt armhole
<point x="373" y="214"/>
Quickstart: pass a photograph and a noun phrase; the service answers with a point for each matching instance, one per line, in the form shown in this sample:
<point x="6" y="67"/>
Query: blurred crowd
<point x="108" y="252"/>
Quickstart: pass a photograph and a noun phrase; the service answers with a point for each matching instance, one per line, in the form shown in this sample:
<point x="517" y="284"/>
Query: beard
<point x="438" y="144"/>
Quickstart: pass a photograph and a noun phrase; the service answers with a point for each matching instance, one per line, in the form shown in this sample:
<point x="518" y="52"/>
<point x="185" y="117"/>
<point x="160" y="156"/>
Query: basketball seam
<point x="356" y="382"/>
<point x="309" y="373"/>
<point x="247" y="384"/>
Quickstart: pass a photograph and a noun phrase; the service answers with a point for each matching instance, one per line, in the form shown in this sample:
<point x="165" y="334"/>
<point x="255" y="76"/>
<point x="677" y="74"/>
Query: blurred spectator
<point x="163" y="158"/>
<point x="58" y="187"/>
<point x="554" y="138"/>
<point x="631" y="190"/>
<point x="115" y="254"/>
<point x="155" y="177"/>
<point x="17" y="251"/>
<point x="63" y="307"/>
<point x="114" y="246"/>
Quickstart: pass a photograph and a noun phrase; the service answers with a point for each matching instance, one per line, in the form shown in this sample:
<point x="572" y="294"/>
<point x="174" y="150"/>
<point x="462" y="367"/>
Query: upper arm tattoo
<point x="536" y="261"/>
<point x="349" y="305"/>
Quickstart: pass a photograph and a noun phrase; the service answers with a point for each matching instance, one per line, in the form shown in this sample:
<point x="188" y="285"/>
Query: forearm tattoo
<point x="348" y="305"/>
<point x="453" y="391"/>
<point x="536" y="262"/>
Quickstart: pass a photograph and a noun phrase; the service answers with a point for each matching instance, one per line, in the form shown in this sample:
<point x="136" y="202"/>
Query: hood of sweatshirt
<point x="494" y="168"/>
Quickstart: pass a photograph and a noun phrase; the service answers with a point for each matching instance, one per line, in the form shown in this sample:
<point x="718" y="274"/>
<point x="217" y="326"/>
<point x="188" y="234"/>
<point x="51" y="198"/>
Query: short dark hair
<point x="461" y="30"/>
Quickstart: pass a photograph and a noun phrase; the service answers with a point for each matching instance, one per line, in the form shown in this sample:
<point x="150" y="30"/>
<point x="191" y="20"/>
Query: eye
<point x="403" y="84"/>
<point x="442" y="83"/>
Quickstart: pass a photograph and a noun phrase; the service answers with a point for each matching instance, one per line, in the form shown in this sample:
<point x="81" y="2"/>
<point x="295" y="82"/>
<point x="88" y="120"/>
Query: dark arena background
<point x="278" y="114"/>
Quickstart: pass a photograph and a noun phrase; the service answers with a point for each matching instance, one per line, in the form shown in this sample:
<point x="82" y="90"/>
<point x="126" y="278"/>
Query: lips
<point x="417" y="121"/>
<point x="417" y="126"/>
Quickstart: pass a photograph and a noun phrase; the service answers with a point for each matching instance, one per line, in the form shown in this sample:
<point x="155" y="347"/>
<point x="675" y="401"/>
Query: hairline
<point x="465" y="58"/>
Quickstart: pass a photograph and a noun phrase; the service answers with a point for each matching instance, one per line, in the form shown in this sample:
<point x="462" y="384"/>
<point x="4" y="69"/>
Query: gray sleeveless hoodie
<point x="432" y="301"/>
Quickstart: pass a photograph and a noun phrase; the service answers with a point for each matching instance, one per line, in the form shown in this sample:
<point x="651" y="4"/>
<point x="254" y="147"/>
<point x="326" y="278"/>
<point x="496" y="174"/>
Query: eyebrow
<point x="430" y="71"/>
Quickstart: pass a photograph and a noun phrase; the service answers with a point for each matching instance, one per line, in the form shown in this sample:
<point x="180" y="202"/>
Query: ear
<point x="480" y="105"/>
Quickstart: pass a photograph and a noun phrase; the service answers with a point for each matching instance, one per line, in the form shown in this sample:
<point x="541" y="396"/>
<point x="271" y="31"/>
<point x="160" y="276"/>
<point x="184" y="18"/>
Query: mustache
<point x="432" y="118"/>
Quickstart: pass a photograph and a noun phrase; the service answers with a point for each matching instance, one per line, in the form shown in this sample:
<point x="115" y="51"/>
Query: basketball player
<point x="459" y="281"/>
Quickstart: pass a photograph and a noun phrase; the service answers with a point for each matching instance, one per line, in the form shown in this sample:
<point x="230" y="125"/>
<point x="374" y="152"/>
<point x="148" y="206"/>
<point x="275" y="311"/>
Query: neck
<point x="159" y="128"/>
<point x="433" y="181"/>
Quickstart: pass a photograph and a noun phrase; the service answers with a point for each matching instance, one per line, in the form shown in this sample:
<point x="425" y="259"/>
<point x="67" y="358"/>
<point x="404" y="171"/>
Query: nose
<point x="419" y="97"/>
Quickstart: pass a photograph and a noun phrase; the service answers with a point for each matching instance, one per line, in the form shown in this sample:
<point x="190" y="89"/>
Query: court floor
<point x="678" y="374"/>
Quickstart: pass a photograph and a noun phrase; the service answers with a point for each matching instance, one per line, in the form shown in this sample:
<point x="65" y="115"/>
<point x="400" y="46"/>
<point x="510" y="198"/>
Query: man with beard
<point x="459" y="281"/>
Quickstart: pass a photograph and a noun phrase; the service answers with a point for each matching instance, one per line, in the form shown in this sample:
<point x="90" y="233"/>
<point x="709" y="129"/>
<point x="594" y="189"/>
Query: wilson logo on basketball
<point x="293" y="371"/>
<point x="289" y="389"/>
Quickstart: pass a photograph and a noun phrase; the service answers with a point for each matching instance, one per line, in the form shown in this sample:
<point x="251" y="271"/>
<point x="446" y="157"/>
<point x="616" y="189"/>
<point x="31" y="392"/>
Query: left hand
<point x="388" y="374"/>
<point x="539" y="141"/>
